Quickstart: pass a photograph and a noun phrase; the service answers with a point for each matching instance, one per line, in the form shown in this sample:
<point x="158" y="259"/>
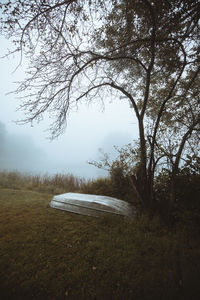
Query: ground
<point x="53" y="255"/>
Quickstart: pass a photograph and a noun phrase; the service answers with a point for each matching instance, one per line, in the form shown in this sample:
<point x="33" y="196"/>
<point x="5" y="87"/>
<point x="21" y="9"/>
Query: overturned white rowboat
<point x="91" y="205"/>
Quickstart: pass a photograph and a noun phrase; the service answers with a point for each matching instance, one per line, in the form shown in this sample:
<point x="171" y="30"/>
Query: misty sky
<point x="27" y="148"/>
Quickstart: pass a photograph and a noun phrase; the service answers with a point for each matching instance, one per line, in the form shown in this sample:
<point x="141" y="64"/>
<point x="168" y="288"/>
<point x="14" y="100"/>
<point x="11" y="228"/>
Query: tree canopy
<point x="146" y="52"/>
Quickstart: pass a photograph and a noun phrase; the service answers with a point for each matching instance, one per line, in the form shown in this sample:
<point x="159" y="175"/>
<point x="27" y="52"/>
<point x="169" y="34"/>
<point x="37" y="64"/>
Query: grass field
<point x="51" y="254"/>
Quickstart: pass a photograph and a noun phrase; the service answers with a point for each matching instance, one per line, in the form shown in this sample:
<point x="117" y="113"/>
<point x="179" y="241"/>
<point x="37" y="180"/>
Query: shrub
<point x="121" y="184"/>
<point x="99" y="186"/>
<point x="187" y="193"/>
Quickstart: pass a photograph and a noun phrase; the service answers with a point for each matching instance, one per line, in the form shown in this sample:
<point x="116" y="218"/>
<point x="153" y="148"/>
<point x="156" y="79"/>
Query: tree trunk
<point x="142" y="183"/>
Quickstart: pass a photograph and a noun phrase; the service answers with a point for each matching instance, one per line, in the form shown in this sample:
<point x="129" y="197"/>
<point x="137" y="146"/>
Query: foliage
<point x="122" y="185"/>
<point x="186" y="197"/>
<point x="147" y="52"/>
<point x="99" y="186"/>
<point x="122" y="171"/>
<point x="50" y="254"/>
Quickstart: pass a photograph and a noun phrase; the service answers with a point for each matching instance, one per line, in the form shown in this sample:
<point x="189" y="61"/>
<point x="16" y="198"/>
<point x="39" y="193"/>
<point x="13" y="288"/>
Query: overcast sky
<point x="27" y="148"/>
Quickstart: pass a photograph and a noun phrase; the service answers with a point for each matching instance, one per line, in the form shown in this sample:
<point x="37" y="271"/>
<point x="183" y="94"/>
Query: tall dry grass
<point x="62" y="183"/>
<point x="54" y="184"/>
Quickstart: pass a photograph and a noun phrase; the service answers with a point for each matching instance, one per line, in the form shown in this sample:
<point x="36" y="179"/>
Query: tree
<point x="145" y="51"/>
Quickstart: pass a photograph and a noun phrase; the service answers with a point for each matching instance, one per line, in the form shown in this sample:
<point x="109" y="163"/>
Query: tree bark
<point x="141" y="176"/>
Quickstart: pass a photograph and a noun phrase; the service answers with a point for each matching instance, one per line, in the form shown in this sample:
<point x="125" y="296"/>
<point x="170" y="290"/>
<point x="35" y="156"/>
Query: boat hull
<point x="91" y="205"/>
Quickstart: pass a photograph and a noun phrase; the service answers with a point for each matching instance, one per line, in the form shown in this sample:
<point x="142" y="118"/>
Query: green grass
<point x="52" y="254"/>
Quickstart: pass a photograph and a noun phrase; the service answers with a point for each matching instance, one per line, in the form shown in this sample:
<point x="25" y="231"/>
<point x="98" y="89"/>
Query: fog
<point x="69" y="154"/>
<point x="18" y="152"/>
<point x="28" y="149"/>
